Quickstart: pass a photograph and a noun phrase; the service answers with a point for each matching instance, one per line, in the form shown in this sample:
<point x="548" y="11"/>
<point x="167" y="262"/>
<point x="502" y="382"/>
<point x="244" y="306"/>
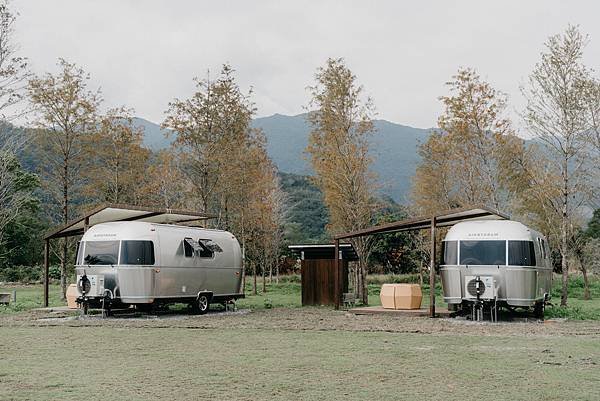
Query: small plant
<point x="268" y="303"/>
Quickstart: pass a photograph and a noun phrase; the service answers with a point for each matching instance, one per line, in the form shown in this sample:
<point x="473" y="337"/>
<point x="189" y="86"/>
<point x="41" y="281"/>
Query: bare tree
<point x="14" y="72"/>
<point x="15" y="192"/>
<point x="338" y="146"/>
<point x="13" y="76"/>
<point x="66" y="112"/>
<point x="558" y="114"/>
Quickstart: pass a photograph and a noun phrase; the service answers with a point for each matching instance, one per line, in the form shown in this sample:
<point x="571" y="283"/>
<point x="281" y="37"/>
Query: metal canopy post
<point x="432" y="271"/>
<point x="46" y="268"/>
<point x="336" y="258"/>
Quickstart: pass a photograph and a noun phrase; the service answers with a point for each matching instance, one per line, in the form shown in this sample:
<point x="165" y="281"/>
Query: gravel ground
<point x="309" y="319"/>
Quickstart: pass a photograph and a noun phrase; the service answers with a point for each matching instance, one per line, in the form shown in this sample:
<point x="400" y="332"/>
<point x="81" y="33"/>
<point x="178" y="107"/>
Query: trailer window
<point x="482" y="252"/>
<point x="137" y="253"/>
<point x="208" y="248"/>
<point x="450" y="252"/>
<point x="79" y="253"/>
<point x="521" y="253"/>
<point x="101" y="253"/>
<point x="188" y="247"/>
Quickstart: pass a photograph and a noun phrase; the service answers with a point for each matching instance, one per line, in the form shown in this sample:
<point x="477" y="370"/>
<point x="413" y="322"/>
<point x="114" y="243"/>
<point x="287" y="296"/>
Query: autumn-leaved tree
<point x="210" y="127"/>
<point x="165" y="184"/>
<point x="117" y="161"/>
<point x="14" y="72"/>
<point x="66" y="115"/>
<point x="225" y="161"/>
<point x="558" y="114"/>
<point x="15" y="184"/>
<point x="341" y="119"/>
<point x="463" y="161"/>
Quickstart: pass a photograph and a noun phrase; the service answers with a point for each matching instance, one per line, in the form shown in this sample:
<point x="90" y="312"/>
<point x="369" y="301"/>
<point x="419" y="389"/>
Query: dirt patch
<point x="311" y="319"/>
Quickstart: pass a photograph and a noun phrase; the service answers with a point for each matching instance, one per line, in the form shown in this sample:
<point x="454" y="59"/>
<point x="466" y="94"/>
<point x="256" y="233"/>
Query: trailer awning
<point x="442" y="219"/>
<point x="120" y="212"/>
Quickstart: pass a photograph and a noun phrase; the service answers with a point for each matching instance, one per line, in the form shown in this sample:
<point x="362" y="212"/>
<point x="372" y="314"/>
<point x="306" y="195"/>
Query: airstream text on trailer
<point x="139" y="263"/>
<point x="495" y="263"/>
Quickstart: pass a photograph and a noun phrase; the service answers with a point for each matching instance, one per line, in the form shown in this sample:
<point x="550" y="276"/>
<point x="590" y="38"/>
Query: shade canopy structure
<point x="120" y="212"/>
<point x="110" y="212"/>
<point x="441" y="219"/>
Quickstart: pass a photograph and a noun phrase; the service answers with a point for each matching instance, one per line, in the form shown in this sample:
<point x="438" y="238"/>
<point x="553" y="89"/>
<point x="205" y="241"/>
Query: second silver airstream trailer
<point x="495" y="262"/>
<point x="144" y="264"/>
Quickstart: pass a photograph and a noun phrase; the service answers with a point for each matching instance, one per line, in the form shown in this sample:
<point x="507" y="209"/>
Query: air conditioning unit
<point x="479" y="285"/>
<point x="96" y="288"/>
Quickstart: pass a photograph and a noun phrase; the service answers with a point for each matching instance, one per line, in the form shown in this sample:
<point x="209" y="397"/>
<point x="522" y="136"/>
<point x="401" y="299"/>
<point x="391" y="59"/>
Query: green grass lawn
<point x="287" y="294"/>
<point x="93" y="363"/>
<point x="30" y="297"/>
<point x="223" y="357"/>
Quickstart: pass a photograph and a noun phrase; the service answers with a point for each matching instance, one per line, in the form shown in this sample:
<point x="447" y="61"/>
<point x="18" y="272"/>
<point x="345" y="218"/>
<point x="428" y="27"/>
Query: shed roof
<point x="442" y="219"/>
<point x="121" y="212"/>
<point x="324" y="251"/>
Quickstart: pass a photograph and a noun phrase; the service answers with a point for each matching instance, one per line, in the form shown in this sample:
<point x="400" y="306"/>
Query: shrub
<point x="54" y="272"/>
<point x="21" y="274"/>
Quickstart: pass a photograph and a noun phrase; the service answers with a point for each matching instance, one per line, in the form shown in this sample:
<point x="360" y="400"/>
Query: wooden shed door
<point x="318" y="281"/>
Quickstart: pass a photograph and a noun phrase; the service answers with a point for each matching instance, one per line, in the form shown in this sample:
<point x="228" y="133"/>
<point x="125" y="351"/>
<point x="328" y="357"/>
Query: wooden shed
<point x="318" y="271"/>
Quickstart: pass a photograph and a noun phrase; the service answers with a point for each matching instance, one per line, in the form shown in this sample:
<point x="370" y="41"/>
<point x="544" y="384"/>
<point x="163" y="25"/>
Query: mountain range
<point x="394" y="148"/>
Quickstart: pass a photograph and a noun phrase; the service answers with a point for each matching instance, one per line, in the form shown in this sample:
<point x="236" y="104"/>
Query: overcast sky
<point x="145" y="53"/>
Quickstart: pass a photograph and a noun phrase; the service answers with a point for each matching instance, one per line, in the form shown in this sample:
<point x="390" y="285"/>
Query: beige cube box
<point x="72" y="295"/>
<point x="401" y="296"/>
<point x="408" y="296"/>
<point x="387" y="296"/>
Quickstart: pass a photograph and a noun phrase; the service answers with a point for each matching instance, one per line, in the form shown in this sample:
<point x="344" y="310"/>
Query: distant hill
<point x="155" y="137"/>
<point x="394" y="148"/>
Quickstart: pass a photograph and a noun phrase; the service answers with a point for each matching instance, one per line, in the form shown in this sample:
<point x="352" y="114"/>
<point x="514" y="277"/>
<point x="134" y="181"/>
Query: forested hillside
<point x="394" y="148"/>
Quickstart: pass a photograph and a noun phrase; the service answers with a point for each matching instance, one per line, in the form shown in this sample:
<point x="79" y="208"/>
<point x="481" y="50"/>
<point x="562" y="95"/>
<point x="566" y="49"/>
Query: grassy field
<point x="72" y="363"/>
<point x="293" y="353"/>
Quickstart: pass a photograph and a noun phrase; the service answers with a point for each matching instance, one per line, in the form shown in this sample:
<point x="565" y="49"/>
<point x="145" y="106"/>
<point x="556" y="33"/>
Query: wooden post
<point x="336" y="258"/>
<point x="46" y="270"/>
<point x="86" y="224"/>
<point x="432" y="271"/>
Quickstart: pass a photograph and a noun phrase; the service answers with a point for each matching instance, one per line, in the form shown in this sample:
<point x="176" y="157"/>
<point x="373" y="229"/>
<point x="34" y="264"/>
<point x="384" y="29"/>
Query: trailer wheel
<point x="202" y="304"/>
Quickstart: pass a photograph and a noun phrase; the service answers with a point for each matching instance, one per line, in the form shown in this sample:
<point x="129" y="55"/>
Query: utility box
<point x="72" y="295"/>
<point x="4" y="298"/>
<point x="401" y="296"/>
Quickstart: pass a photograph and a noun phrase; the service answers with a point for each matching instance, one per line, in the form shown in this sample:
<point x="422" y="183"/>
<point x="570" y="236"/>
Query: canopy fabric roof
<point x="442" y="219"/>
<point x="121" y="212"/>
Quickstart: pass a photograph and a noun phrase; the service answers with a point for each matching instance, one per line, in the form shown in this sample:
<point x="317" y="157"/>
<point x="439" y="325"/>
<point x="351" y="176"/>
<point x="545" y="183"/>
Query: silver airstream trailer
<point x="144" y="264"/>
<point x="498" y="263"/>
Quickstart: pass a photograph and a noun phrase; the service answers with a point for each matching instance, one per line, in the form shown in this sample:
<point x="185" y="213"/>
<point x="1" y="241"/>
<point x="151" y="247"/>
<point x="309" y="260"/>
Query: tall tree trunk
<point x="586" y="284"/>
<point x="63" y="271"/>
<point x="63" y="261"/>
<point x="264" y="279"/>
<point x="270" y="271"/>
<point x="254" y="290"/>
<point x="564" y="240"/>
<point x="363" y="293"/>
